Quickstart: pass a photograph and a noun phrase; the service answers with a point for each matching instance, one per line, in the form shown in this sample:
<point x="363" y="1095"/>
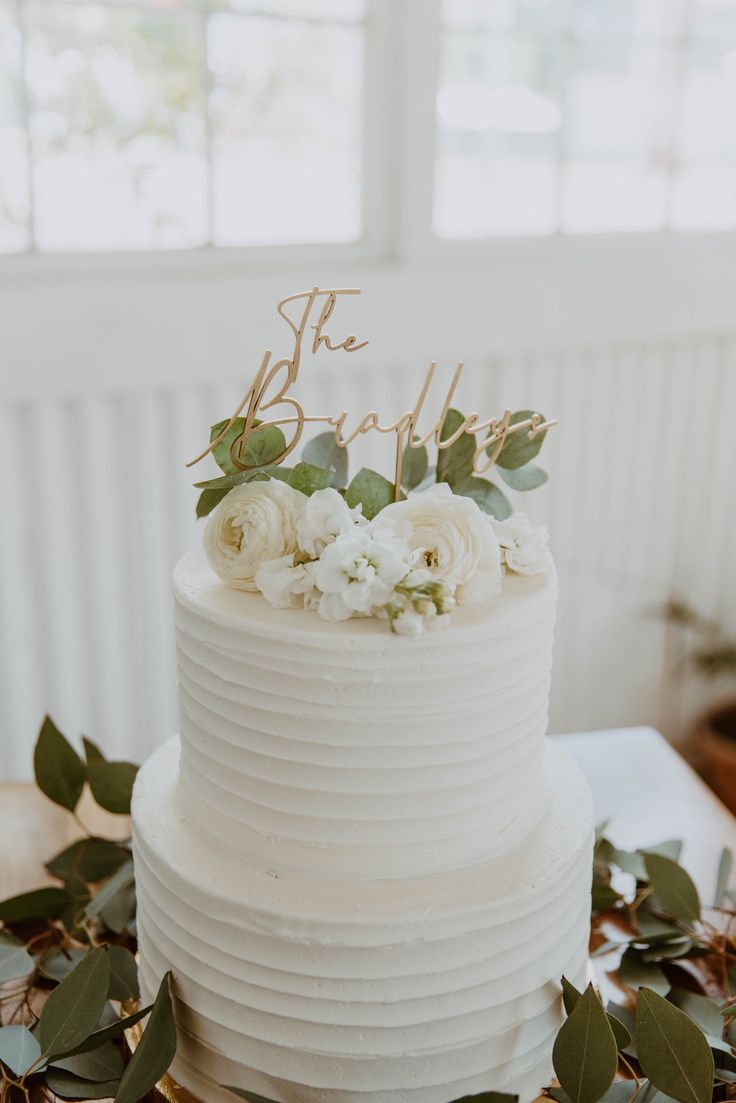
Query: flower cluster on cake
<point x="305" y="537"/>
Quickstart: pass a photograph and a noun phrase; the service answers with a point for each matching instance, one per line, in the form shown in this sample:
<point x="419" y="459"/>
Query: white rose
<point x="255" y="522"/>
<point x="456" y="540"/>
<point x="359" y="570"/>
<point x="524" y="547"/>
<point x="325" y="515"/>
<point x="284" y="585"/>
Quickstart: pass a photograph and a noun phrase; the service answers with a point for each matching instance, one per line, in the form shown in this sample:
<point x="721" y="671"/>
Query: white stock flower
<point x="284" y="584"/>
<point x="456" y="541"/>
<point x="254" y="522"/>
<point x="359" y="570"/>
<point x="325" y="516"/>
<point x="524" y="547"/>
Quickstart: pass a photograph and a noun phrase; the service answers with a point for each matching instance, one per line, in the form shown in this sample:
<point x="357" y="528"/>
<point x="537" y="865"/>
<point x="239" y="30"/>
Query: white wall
<point x="112" y="374"/>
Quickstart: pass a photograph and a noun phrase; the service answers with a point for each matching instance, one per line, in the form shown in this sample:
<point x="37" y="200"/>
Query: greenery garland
<point x="69" y="987"/>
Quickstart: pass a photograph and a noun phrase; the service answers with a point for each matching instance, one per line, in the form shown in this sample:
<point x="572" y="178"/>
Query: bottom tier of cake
<point x="393" y="991"/>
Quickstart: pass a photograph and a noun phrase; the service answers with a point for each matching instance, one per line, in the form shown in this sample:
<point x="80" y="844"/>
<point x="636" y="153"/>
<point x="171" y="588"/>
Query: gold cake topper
<point x="272" y="388"/>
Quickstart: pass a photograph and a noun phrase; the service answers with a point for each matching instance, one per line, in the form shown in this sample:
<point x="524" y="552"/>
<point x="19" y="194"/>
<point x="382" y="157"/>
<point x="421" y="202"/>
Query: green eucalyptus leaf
<point x="15" y="961"/>
<point x="207" y="501"/>
<point x="107" y="1031"/>
<point x="119" y="912"/>
<point x="673" y="1052"/>
<point x="675" y="891"/>
<point x="47" y="903"/>
<point x="370" y="490"/>
<point x="154" y="1052"/>
<point x="123" y="974"/>
<point x="652" y="930"/>
<point x="112" y="784"/>
<point x="455" y="463"/>
<point x="18" y="1048"/>
<point x="627" y="1019"/>
<point x="60" y="964"/>
<point x="228" y="482"/>
<point x="528" y="477"/>
<point x="670" y="848"/>
<point x="262" y="447"/>
<point x="324" y="451"/>
<point x="429" y="479"/>
<point x="73" y="1009"/>
<point x="570" y="997"/>
<point x="636" y="973"/>
<point x="630" y="862"/>
<point x="307" y="478"/>
<point x="585" y="1057"/>
<point x="59" y="769"/>
<point x="604" y="896"/>
<point x="66" y="1085"/>
<point x="725" y="866"/>
<point x="518" y="450"/>
<point x="414" y="467"/>
<point x="668" y="951"/>
<point x="103" y="1063"/>
<point x="117" y="883"/>
<point x="93" y="859"/>
<point x="705" y="1012"/>
<point x="486" y="495"/>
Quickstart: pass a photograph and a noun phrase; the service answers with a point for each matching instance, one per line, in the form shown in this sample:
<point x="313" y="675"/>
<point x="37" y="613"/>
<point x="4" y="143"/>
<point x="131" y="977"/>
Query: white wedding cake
<point x="364" y="864"/>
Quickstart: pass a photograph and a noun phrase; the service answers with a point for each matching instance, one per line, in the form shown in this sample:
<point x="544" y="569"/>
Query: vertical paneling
<point x="641" y="504"/>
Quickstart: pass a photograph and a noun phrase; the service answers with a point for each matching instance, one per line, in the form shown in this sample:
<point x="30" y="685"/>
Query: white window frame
<point x="401" y="67"/>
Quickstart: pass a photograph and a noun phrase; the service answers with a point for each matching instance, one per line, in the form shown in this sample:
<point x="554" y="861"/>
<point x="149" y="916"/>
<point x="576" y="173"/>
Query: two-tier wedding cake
<point x="364" y="864"/>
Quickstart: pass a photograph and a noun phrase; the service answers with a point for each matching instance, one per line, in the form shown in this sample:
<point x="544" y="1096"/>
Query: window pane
<point x="498" y="109"/>
<point x="14" y="183"/>
<point x="285" y="110"/>
<point x="615" y="174"/>
<point x="342" y="11"/>
<point x="117" y="128"/>
<point x="628" y="18"/>
<point x="518" y="14"/>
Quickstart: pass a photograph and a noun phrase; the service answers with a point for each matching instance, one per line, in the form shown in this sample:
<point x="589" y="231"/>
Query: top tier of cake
<point x="337" y="750"/>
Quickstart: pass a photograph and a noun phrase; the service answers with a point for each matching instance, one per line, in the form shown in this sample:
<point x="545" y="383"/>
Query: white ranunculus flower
<point x="359" y="570"/>
<point x="456" y="541"/>
<point x="524" y="546"/>
<point x="253" y="523"/>
<point x="325" y="515"/>
<point x="284" y="584"/>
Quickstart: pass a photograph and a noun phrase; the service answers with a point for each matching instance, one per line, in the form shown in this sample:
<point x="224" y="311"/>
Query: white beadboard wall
<point x="97" y="506"/>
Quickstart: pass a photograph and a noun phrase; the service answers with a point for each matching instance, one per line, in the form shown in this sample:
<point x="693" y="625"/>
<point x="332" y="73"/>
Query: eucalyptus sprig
<point x="68" y="977"/>
<point x="324" y="463"/>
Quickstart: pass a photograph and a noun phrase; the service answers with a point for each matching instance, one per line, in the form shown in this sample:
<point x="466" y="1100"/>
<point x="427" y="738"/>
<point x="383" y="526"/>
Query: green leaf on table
<point x="676" y="894"/>
<point x="705" y="1013"/>
<point x="59" y="965"/>
<point x="15" y="961"/>
<point x="66" y="1085"/>
<point x="528" y="477"/>
<point x="670" y="848"/>
<point x="486" y="495"/>
<point x="370" y="490"/>
<point x="308" y="478"/>
<point x="112" y="784"/>
<point x="119" y="881"/>
<point x="570" y="997"/>
<point x="18" y="1048"/>
<point x="324" y="451"/>
<point x="603" y="896"/>
<point x="725" y="866"/>
<point x="585" y="1055"/>
<point x="58" y="768"/>
<point x="263" y="446"/>
<point x="455" y="463"/>
<point x="103" y="1063"/>
<point x="119" y="913"/>
<point x="104" y="1033"/>
<point x="154" y="1052"/>
<point x="627" y="1019"/>
<point x="414" y="466"/>
<point x="631" y="862"/>
<point x="123" y="974"/>
<point x="93" y="859"/>
<point x="673" y="1052"/>
<point x="73" y="1009"/>
<point x="669" y="950"/>
<point x="636" y="973"/>
<point x="207" y="501"/>
<point x="47" y="903"/>
<point x="652" y="930"/>
<point x="518" y="449"/>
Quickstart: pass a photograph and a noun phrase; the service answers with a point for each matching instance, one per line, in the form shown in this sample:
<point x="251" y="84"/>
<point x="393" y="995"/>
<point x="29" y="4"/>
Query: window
<point x="585" y="116"/>
<point x="177" y="124"/>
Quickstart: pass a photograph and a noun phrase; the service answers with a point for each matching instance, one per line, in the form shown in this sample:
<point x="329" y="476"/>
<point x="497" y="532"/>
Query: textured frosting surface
<point x="359" y="991"/>
<point x="312" y="748"/>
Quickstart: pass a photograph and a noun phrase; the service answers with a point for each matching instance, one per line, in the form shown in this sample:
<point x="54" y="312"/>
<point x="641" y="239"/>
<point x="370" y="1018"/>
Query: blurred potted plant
<point x="712" y="653"/>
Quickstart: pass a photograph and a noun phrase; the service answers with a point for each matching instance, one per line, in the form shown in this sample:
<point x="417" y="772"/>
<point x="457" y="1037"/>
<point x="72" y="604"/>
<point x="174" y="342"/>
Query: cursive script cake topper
<point x="273" y="382"/>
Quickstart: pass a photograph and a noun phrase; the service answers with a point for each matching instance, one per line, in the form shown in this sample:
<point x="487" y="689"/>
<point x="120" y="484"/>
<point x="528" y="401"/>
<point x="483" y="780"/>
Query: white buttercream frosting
<point x="364" y="869"/>
<point x="334" y="750"/>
